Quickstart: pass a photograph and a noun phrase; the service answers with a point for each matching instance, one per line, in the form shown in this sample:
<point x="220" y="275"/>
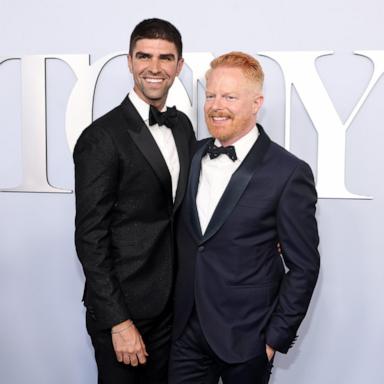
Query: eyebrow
<point x="169" y="56"/>
<point x="223" y="94"/>
<point x="141" y="53"/>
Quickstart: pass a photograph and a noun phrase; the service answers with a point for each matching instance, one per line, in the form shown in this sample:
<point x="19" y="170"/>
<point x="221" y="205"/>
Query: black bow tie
<point x="167" y="118"/>
<point x="213" y="151"/>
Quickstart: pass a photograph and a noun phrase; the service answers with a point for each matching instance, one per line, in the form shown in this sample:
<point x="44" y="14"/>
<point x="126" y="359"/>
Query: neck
<point x="157" y="103"/>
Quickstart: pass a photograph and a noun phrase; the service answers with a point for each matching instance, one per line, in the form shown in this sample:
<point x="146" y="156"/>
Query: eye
<point x="209" y="97"/>
<point x="142" y="56"/>
<point x="167" y="57"/>
<point x="230" y="98"/>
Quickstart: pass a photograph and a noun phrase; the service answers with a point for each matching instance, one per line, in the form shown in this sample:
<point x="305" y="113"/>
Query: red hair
<point x="247" y="63"/>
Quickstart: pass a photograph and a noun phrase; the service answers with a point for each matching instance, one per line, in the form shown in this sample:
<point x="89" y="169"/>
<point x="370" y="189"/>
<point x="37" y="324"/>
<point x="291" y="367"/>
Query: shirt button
<point x="201" y="248"/>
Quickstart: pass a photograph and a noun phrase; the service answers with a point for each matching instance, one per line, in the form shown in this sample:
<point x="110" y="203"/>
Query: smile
<point x="219" y="118"/>
<point x="153" y="80"/>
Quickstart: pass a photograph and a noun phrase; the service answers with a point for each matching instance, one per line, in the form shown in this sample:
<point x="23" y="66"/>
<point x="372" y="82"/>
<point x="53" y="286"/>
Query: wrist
<point x="122" y="327"/>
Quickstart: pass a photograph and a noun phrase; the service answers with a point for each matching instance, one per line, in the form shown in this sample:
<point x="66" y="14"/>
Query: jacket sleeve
<point x="96" y="178"/>
<point x="298" y="236"/>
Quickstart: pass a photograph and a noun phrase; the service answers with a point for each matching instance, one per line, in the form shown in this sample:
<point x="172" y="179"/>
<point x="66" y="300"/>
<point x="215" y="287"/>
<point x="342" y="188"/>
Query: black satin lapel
<point x="183" y="153"/>
<point x="237" y="184"/>
<point x="193" y="184"/>
<point x="140" y="134"/>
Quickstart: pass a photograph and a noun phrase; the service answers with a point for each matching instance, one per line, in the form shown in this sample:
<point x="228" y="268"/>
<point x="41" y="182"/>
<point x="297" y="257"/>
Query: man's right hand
<point x="128" y="344"/>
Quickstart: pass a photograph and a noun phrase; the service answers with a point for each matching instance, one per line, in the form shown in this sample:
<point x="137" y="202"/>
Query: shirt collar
<point x="244" y="144"/>
<point x="141" y="106"/>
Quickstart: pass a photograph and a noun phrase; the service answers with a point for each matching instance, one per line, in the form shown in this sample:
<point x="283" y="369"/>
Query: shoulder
<point x="280" y="152"/>
<point x="111" y="123"/>
<point x="182" y="117"/>
<point x="105" y="123"/>
<point x="100" y="133"/>
<point x="286" y="161"/>
<point x="183" y="120"/>
<point x="185" y="125"/>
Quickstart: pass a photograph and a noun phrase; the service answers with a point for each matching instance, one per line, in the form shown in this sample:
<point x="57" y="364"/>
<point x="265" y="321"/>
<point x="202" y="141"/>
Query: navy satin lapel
<point x="183" y="153"/>
<point x="237" y="184"/>
<point x="193" y="184"/>
<point x="140" y="134"/>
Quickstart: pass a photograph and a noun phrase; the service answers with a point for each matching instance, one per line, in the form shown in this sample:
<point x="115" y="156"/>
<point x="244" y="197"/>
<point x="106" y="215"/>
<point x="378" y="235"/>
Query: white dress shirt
<point x="215" y="175"/>
<point x="163" y="137"/>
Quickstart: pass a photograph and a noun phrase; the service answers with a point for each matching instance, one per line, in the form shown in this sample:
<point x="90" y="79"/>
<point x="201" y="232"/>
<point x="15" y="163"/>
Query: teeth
<point x="154" y="80"/>
<point x="219" y="118"/>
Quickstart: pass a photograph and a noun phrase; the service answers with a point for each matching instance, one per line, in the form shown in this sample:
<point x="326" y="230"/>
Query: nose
<point x="216" y="103"/>
<point x="154" y="66"/>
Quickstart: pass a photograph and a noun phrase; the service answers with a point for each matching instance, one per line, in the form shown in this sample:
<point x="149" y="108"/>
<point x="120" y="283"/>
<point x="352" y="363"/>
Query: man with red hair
<point x="235" y="302"/>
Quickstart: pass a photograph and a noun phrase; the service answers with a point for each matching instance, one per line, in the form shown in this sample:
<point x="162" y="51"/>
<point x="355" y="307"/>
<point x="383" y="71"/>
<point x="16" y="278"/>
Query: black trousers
<point x="192" y="361"/>
<point x="156" y="334"/>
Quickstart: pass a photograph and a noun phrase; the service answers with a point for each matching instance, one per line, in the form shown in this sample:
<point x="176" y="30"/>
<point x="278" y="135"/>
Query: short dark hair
<point x="156" y="29"/>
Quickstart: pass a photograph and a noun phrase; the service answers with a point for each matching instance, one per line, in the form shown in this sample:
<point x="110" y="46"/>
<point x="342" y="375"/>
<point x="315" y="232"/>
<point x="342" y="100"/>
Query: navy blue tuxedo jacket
<point x="234" y="274"/>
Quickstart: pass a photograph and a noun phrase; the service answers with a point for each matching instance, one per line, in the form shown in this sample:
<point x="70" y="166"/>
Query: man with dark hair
<point x="131" y="169"/>
<point x="236" y="304"/>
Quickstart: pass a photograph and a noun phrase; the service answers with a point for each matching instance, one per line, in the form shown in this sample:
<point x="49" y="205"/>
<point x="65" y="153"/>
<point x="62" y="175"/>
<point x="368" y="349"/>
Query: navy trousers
<point x="192" y="361"/>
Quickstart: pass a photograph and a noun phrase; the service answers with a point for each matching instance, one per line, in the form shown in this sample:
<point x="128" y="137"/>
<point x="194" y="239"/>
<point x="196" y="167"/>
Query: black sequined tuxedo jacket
<point x="125" y="215"/>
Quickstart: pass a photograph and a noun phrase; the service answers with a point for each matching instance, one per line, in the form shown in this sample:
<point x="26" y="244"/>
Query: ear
<point x="257" y="103"/>
<point x="180" y="64"/>
<point x="129" y="62"/>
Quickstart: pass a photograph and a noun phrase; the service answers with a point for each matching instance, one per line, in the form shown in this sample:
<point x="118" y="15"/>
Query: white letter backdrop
<point x="62" y="64"/>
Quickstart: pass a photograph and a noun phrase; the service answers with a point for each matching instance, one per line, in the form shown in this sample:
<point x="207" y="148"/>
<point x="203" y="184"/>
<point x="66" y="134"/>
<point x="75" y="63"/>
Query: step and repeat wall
<point x="63" y="64"/>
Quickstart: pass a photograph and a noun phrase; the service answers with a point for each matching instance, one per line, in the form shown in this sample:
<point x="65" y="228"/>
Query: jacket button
<point x="201" y="248"/>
